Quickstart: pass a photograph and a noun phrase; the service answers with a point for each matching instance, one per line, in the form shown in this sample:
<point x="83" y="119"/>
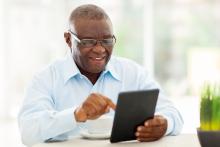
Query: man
<point x="85" y="85"/>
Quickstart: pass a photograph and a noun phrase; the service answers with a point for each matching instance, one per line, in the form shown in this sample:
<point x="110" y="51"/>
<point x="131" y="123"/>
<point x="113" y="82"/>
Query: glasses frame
<point x="101" y="41"/>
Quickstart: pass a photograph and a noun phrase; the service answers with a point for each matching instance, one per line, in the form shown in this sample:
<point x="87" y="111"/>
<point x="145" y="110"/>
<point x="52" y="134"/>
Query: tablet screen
<point x="133" y="108"/>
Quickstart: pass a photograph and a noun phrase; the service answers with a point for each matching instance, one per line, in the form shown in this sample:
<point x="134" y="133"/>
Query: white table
<point x="183" y="140"/>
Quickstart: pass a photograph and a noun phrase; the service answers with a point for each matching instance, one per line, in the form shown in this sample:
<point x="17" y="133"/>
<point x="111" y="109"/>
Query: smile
<point x="97" y="58"/>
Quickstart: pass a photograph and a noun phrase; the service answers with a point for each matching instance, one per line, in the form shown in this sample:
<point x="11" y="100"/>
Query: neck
<point x="93" y="77"/>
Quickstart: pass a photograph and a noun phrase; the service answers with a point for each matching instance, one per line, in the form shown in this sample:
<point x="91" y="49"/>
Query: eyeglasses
<point x="108" y="42"/>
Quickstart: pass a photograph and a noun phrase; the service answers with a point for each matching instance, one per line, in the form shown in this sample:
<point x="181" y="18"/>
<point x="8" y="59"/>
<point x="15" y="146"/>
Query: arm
<point x="167" y="117"/>
<point x="38" y="119"/>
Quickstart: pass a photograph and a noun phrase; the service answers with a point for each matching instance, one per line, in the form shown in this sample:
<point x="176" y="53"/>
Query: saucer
<point x="86" y="134"/>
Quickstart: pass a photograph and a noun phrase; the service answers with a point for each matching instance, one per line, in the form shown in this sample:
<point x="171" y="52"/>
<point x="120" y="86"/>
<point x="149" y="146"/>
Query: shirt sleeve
<point x="38" y="119"/>
<point x="164" y="106"/>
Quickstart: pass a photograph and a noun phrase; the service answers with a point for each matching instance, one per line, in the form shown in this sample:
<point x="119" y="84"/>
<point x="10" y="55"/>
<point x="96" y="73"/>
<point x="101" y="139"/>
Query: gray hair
<point x="88" y="11"/>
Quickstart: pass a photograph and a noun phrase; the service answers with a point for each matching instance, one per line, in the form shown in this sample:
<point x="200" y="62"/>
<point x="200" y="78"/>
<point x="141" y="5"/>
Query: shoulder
<point x="121" y="63"/>
<point x="127" y="69"/>
<point x="50" y="71"/>
<point x="124" y="62"/>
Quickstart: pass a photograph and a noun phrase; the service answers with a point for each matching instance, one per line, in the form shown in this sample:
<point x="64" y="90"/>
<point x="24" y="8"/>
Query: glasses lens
<point x="88" y="42"/>
<point x="108" y="42"/>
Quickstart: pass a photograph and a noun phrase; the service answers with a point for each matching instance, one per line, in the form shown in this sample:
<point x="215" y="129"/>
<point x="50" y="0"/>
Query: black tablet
<point x="133" y="108"/>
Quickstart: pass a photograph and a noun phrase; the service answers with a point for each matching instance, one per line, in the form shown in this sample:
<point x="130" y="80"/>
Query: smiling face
<point x="92" y="59"/>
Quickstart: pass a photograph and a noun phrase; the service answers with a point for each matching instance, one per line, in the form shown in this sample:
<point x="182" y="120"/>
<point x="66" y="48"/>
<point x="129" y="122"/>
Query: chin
<point x="97" y="70"/>
<point x="96" y="67"/>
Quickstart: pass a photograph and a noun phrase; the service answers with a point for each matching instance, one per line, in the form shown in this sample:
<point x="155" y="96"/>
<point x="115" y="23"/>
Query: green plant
<point x="210" y="107"/>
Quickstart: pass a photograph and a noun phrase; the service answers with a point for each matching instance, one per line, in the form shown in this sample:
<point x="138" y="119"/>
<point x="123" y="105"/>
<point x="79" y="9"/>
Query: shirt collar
<point x="71" y="70"/>
<point x="110" y="68"/>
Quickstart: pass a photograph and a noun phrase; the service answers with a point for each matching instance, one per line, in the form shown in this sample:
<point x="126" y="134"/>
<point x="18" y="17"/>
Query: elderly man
<point x="85" y="85"/>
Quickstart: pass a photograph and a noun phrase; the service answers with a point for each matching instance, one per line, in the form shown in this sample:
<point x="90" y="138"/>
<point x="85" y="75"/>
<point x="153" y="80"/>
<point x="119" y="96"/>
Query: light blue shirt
<point x="47" y="113"/>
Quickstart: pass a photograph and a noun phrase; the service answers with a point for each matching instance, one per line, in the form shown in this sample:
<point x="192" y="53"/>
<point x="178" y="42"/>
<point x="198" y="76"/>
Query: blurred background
<point x="178" y="41"/>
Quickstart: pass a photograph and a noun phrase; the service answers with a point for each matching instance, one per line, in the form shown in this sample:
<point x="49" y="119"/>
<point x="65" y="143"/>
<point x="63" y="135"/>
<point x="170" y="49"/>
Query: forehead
<point x="93" y="28"/>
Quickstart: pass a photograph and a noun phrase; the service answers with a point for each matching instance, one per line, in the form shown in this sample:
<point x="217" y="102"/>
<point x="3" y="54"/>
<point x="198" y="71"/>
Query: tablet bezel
<point x="125" y="122"/>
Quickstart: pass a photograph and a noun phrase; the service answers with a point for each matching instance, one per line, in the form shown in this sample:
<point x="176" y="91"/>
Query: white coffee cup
<point x="102" y="125"/>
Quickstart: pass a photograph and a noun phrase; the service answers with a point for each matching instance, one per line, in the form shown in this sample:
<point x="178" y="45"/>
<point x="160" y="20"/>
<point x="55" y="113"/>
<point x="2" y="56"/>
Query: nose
<point x="98" y="48"/>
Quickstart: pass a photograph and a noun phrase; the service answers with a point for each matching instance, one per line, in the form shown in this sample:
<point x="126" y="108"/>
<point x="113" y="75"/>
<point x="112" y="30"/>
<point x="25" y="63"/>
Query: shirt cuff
<point x="170" y="125"/>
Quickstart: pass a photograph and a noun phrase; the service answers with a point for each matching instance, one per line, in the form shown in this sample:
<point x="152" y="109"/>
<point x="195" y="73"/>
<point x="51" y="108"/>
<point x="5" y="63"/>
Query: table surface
<point x="183" y="140"/>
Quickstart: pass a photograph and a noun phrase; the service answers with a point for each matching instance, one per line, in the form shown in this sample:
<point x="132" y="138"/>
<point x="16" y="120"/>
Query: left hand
<point x="153" y="129"/>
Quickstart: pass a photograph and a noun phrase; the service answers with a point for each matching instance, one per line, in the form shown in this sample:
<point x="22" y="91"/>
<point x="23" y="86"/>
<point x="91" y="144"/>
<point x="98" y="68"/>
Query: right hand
<point x="93" y="107"/>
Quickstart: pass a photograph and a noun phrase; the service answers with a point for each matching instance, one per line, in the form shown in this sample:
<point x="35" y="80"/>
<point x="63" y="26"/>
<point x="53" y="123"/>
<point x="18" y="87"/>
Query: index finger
<point x="109" y="102"/>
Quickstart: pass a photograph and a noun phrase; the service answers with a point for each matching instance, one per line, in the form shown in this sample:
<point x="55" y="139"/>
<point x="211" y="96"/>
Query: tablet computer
<point x="133" y="108"/>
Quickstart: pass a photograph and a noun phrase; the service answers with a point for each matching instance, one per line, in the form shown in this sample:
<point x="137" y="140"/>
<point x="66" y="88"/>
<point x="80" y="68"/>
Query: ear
<point x="67" y="37"/>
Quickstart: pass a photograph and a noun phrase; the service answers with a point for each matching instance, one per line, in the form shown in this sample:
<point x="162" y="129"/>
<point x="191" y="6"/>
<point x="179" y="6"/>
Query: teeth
<point x="98" y="58"/>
